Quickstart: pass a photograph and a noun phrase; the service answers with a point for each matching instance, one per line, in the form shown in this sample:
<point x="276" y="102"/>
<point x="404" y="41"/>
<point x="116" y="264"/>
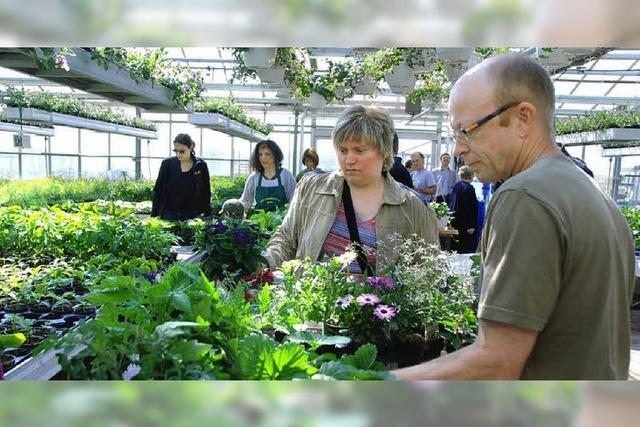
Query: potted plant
<point x="322" y="90"/>
<point x="442" y="213"/>
<point x="401" y="79"/>
<point x="259" y="57"/>
<point x="420" y="60"/>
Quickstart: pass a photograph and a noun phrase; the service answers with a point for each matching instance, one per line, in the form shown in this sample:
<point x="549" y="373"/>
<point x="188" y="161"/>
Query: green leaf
<point x="12" y="341"/>
<point x="174" y="329"/>
<point x="191" y="351"/>
<point x="363" y="358"/>
<point x="114" y="290"/>
<point x="250" y="354"/>
<point x="181" y="301"/>
<point x="264" y="300"/>
<point x="336" y="370"/>
<point x="318" y="340"/>
<point x="287" y="360"/>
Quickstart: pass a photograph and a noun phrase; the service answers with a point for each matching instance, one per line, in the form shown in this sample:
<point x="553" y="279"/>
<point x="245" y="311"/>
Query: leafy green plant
<point x="72" y="106"/>
<point x="601" y="120"/>
<point x="233" y="247"/>
<point x="633" y="219"/>
<point x="229" y="108"/>
<point x="441" y="209"/>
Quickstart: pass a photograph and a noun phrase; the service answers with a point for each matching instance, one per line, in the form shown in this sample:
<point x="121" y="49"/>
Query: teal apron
<point x="270" y="198"/>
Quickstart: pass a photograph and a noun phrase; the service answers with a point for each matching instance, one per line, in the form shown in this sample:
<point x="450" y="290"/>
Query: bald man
<point x="557" y="254"/>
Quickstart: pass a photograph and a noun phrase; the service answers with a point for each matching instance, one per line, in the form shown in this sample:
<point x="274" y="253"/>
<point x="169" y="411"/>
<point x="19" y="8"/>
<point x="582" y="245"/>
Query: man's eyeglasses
<point x="179" y="151"/>
<point x="463" y="134"/>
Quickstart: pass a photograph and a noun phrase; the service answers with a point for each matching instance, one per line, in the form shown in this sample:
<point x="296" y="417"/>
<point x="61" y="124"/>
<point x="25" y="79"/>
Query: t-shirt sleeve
<point x="248" y="197"/>
<point x="289" y="182"/>
<point x="522" y="261"/>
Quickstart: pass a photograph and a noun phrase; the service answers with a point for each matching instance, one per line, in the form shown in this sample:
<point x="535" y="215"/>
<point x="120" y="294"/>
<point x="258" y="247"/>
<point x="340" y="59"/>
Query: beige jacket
<point x="313" y="211"/>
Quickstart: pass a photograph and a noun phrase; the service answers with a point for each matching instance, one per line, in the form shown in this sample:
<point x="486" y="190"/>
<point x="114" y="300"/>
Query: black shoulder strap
<point x="353" y="231"/>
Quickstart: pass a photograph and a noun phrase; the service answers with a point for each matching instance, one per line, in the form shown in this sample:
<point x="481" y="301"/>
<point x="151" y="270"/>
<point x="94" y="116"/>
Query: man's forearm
<point x="469" y="363"/>
<point x="428" y="190"/>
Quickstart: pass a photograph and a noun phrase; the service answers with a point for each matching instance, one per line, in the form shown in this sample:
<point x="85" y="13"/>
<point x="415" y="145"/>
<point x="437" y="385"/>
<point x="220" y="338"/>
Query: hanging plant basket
<point x="273" y="75"/>
<point x="367" y="86"/>
<point x="283" y="93"/>
<point x="401" y="80"/>
<point x="454" y="71"/>
<point x="428" y="55"/>
<point x="340" y="91"/>
<point x="317" y="101"/>
<point x="555" y="59"/>
<point x="453" y="54"/>
<point x="259" y="57"/>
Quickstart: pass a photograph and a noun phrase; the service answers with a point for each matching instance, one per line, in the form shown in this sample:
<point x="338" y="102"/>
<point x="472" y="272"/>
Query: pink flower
<point x="367" y="299"/>
<point x="343" y="303"/>
<point x="384" y="312"/>
<point x="382" y="283"/>
<point x="61" y="62"/>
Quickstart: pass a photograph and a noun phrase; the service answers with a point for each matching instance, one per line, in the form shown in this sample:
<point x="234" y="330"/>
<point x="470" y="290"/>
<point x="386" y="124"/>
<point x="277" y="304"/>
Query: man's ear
<point x="525" y="115"/>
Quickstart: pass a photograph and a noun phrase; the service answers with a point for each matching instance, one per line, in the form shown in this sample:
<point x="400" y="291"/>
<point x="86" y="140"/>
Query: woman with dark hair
<point x="270" y="186"/>
<point x="310" y="160"/>
<point x="182" y="189"/>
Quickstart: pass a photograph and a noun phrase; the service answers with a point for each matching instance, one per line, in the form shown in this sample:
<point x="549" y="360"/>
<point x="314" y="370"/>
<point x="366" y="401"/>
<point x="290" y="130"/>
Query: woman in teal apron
<point x="270" y="186"/>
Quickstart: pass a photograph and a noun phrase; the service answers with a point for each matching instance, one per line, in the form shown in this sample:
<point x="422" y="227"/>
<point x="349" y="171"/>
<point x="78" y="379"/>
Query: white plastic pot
<point x="259" y="57"/>
<point x="401" y="80"/>
<point x="317" y="101"/>
<point x="442" y="222"/>
<point x="429" y="58"/>
<point x="453" y="54"/>
<point x="340" y="91"/>
<point x="366" y="87"/>
<point x="283" y="93"/>
<point x="274" y="75"/>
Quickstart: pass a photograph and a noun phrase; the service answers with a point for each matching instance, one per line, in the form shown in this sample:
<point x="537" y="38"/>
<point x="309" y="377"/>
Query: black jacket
<point x="400" y="173"/>
<point x="187" y="193"/>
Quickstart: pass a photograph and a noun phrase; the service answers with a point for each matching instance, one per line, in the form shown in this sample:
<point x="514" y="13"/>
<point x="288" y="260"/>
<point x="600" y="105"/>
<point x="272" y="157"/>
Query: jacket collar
<point x="393" y="194"/>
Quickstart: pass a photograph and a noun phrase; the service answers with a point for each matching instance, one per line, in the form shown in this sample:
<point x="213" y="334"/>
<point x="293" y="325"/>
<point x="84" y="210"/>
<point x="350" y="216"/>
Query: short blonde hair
<point x="370" y="124"/>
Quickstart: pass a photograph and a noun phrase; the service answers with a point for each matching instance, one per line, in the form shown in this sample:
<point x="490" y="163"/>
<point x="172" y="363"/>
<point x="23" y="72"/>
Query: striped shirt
<point x="338" y="239"/>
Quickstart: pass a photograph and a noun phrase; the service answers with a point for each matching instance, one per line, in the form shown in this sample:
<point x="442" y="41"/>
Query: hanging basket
<point x="283" y="93"/>
<point x="555" y="59"/>
<point x="401" y="80"/>
<point x="259" y="57"/>
<point x="454" y="71"/>
<point x="317" y="101"/>
<point x="340" y="91"/>
<point x="428" y="55"/>
<point x="453" y="54"/>
<point x="273" y="75"/>
<point x="367" y="86"/>
<point x="412" y="108"/>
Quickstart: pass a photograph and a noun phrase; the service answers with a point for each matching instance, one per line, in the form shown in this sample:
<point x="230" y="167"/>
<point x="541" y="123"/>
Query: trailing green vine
<point x="601" y="120"/>
<point x="229" y="108"/>
<point x="72" y="106"/>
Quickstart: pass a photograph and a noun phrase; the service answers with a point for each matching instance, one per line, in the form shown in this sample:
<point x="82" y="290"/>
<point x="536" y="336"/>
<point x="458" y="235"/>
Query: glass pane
<point x="65" y="140"/>
<point x="124" y="165"/>
<point x="94" y="143"/>
<point x="160" y="147"/>
<point x="217" y="145"/>
<point x="123" y="145"/>
<point x="94" y="167"/>
<point x="150" y="168"/>
<point x="64" y="166"/>
<point x="33" y="166"/>
<point x="9" y="165"/>
<point x="218" y="167"/>
<point x="6" y="142"/>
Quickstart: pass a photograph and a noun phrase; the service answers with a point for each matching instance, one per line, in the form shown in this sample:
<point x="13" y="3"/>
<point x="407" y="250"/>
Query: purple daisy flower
<point x="367" y="299"/>
<point x="382" y="283"/>
<point x="344" y="302"/>
<point x="384" y="312"/>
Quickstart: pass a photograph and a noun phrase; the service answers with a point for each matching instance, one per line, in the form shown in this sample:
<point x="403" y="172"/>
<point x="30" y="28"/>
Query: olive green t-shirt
<point x="558" y="258"/>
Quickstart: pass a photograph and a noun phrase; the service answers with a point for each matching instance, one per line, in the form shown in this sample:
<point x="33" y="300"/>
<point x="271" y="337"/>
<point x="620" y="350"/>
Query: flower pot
<point x="283" y="93"/>
<point x="274" y="75"/>
<point x="259" y="57"/>
<point x="317" y="101"/>
<point x="442" y="222"/>
<point x="428" y="55"/>
<point x="454" y="71"/>
<point x="401" y="80"/>
<point x="340" y="91"/>
<point x="412" y="108"/>
<point x="453" y="54"/>
<point x="367" y="86"/>
<point x="555" y="59"/>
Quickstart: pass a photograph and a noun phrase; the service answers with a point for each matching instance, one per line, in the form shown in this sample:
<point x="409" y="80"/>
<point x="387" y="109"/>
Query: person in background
<point x="270" y="186"/>
<point x="445" y="178"/>
<point x="423" y="180"/>
<point x="409" y="167"/>
<point x="398" y="171"/>
<point x="360" y="203"/>
<point x="232" y="208"/>
<point x="464" y="205"/>
<point x="557" y="254"/>
<point x="182" y="190"/>
<point x="311" y="161"/>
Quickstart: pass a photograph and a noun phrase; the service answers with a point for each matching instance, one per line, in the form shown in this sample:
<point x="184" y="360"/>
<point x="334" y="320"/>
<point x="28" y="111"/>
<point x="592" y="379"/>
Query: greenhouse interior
<point x="103" y="278"/>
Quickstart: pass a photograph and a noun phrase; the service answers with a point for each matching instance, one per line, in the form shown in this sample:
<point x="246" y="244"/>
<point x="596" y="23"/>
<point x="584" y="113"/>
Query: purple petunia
<point x="242" y="235"/>
<point x="384" y="312"/>
<point x="367" y="299"/>
<point x="220" y="227"/>
<point x="382" y="283"/>
<point x="344" y="302"/>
